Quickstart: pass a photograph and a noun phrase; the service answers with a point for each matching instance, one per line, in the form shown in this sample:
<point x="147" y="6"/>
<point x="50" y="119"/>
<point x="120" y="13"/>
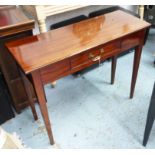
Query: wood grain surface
<point x="41" y="50"/>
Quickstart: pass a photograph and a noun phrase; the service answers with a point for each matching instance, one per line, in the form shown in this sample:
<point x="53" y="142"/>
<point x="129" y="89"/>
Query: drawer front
<point x="92" y="56"/>
<point x="55" y="71"/>
<point x="131" y="41"/>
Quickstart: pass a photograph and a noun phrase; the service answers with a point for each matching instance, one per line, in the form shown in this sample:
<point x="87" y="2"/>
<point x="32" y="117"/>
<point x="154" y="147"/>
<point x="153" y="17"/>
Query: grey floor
<point x="88" y="112"/>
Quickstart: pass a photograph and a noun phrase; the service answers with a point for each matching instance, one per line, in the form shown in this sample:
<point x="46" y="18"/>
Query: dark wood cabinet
<point x="13" y="25"/>
<point x="6" y="111"/>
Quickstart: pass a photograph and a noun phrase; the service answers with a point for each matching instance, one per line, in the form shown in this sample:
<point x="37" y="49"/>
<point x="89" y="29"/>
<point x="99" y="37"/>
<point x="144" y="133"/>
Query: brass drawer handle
<point x="102" y="51"/>
<point x="91" y="55"/>
<point x="96" y="58"/>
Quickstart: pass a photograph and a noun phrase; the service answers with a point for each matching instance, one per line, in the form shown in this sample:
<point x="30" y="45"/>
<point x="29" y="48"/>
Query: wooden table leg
<point x="39" y="88"/>
<point x="29" y="94"/>
<point x="137" y="56"/>
<point x="113" y="68"/>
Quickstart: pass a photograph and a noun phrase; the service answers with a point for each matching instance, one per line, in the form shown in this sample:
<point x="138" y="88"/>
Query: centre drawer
<point x="92" y="56"/>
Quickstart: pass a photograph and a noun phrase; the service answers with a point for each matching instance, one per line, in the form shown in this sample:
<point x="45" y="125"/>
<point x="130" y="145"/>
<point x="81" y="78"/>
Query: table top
<point x="38" y="51"/>
<point x="13" y="20"/>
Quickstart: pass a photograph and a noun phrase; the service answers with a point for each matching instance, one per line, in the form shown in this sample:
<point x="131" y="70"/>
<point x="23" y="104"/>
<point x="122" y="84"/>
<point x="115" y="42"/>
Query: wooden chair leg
<point x="29" y="95"/>
<point x="38" y="85"/>
<point x="150" y="118"/>
<point x="113" y="69"/>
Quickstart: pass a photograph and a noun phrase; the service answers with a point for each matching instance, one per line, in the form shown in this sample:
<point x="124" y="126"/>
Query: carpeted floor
<point x="88" y="112"/>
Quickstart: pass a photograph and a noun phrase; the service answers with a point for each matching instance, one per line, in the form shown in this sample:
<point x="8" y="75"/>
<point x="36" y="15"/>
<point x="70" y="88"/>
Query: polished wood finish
<point x="37" y="81"/>
<point x="55" y="71"/>
<point x="137" y="57"/>
<point x="89" y="56"/>
<point x="76" y="38"/>
<point x="13" y="25"/>
<point x="67" y="50"/>
<point x="12" y="20"/>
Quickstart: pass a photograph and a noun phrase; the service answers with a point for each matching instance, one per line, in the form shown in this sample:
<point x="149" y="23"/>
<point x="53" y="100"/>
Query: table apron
<point x="85" y="59"/>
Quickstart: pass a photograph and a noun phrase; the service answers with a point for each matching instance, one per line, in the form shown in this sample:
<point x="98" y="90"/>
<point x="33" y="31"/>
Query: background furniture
<point x="149" y="14"/>
<point x="41" y="12"/>
<point x="68" y="22"/>
<point x="6" y="111"/>
<point x="141" y="11"/>
<point x="150" y="118"/>
<point x="13" y="25"/>
<point x="110" y="9"/>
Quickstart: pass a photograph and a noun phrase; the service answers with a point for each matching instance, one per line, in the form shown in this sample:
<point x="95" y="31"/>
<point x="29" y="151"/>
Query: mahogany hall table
<point x="52" y="55"/>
